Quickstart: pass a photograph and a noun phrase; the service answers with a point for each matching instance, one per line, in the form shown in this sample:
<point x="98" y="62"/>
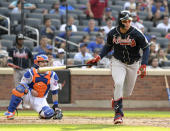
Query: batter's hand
<point x="142" y="71"/>
<point x="94" y="60"/>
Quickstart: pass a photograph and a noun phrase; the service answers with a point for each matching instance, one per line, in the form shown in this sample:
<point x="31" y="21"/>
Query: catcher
<point x="33" y="90"/>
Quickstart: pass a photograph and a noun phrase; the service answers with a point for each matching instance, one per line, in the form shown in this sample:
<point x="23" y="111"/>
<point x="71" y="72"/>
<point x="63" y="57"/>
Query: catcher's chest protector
<point x="41" y="83"/>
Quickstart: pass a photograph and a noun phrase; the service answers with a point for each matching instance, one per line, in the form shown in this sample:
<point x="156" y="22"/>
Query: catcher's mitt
<point x="58" y="114"/>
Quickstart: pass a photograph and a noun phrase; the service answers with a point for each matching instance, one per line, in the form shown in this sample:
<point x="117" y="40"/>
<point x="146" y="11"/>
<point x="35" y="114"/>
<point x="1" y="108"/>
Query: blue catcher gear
<point x="46" y="113"/>
<point x="39" y="58"/>
<point x="124" y="15"/>
<point x="16" y="98"/>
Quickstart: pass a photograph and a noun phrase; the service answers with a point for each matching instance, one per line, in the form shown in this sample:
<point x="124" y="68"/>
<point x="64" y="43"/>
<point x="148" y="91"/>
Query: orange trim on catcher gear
<point x="34" y="75"/>
<point x="17" y="93"/>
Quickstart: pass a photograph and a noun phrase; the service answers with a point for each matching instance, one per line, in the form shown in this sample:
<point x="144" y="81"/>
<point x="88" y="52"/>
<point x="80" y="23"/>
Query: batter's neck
<point x="123" y="30"/>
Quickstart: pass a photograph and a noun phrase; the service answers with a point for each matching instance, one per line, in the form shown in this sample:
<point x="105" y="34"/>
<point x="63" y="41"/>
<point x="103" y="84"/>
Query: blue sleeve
<point x="27" y="74"/>
<point x="55" y="75"/>
<point x="105" y="50"/>
<point x="108" y="46"/>
<point x="145" y="56"/>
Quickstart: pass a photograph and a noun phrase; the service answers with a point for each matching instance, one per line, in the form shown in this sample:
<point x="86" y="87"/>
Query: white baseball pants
<point x="36" y="103"/>
<point x="124" y="77"/>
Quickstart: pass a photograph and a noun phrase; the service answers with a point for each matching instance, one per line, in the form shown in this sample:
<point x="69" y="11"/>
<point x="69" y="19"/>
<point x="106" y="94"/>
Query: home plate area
<point x="157" y="122"/>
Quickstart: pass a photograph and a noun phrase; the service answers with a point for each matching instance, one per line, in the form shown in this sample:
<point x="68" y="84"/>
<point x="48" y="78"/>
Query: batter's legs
<point x="130" y="80"/>
<point x="118" y="74"/>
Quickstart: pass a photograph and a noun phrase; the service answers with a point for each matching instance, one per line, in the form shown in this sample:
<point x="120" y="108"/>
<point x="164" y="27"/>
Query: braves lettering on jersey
<point x="21" y="57"/>
<point x="41" y="82"/>
<point x="126" y="46"/>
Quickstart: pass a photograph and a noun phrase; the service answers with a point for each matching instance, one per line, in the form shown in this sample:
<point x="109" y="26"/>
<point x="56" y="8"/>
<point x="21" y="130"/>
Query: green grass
<point x="78" y="128"/>
<point x="137" y="114"/>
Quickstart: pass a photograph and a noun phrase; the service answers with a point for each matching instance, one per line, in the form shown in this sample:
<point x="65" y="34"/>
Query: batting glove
<point x="142" y="71"/>
<point x="94" y="60"/>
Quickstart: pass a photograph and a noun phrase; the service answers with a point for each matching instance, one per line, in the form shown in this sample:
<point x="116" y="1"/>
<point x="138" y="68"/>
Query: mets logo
<point x="127" y="41"/>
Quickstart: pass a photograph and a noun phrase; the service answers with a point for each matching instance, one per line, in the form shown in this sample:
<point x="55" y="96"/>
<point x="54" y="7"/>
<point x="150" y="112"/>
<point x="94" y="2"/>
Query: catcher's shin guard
<point x="118" y="111"/>
<point x="15" y="101"/>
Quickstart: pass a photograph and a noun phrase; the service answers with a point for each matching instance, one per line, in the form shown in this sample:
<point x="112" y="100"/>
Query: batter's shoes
<point x="118" y="119"/>
<point x="10" y="115"/>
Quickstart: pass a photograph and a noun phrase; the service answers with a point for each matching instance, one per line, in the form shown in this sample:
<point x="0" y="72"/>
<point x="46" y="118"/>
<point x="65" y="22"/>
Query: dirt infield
<point x="158" y="122"/>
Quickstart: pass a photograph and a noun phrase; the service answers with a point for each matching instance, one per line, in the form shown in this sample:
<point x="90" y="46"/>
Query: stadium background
<point x="84" y="88"/>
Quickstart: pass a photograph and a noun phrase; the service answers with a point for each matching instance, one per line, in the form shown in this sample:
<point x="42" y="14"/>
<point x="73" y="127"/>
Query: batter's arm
<point x="108" y="46"/>
<point x="145" y="56"/>
<point x="105" y="50"/>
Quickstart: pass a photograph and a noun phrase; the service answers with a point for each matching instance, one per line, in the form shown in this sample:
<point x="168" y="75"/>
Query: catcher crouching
<point x="33" y="90"/>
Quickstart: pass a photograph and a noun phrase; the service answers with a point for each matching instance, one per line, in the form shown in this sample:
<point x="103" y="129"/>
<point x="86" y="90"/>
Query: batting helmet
<point x="39" y="58"/>
<point x="20" y="37"/>
<point x="124" y="15"/>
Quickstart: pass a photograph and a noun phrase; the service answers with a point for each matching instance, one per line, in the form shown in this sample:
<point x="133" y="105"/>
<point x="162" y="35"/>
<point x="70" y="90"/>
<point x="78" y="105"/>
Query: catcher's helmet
<point x="124" y="15"/>
<point x="39" y="58"/>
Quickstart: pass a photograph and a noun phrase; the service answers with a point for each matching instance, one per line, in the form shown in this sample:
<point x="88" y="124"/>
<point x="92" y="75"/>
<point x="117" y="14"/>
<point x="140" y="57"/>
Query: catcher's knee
<point x="20" y="90"/>
<point x="46" y="112"/>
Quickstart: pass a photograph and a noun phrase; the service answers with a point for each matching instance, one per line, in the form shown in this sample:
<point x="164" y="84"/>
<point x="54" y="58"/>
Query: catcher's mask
<point x="40" y="58"/>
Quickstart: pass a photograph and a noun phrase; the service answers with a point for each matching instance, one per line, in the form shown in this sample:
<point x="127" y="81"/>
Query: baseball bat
<point x="167" y="87"/>
<point x="54" y="68"/>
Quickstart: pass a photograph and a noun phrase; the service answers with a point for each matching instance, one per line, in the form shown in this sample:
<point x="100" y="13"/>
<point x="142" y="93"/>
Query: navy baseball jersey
<point x="21" y="57"/>
<point x="126" y="46"/>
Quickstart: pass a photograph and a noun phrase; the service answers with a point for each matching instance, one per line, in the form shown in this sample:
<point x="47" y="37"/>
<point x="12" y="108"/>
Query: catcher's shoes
<point x="10" y="115"/>
<point x="118" y="119"/>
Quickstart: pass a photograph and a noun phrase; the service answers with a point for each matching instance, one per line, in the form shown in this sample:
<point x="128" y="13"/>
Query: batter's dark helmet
<point x="124" y="15"/>
<point x="20" y="37"/>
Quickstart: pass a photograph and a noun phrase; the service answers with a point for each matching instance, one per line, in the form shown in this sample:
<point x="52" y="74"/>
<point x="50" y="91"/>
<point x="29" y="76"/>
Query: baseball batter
<point x="33" y="90"/>
<point x="127" y="41"/>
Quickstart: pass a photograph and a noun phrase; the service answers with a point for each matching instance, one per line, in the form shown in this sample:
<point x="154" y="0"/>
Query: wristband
<point x="55" y="102"/>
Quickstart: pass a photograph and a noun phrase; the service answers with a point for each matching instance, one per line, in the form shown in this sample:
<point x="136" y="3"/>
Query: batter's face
<point x="126" y="23"/>
<point x="20" y="42"/>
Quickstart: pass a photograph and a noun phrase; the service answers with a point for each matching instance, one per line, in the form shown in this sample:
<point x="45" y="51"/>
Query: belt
<point x="129" y="62"/>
